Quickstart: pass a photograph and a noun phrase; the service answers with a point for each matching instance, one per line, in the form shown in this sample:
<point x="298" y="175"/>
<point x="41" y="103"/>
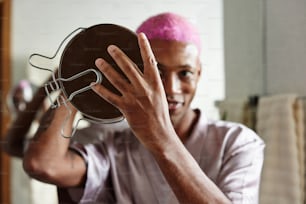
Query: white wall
<point x="286" y="46"/>
<point x="265" y="47"/>
<point x="244" y="48"/>
<point x="38" y="26"/>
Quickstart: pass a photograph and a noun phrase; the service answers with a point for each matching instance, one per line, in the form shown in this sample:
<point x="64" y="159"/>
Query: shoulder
<point x="98" y="140"/>
<point x="236" y="137"/>
<point x="230" y="135"/>
<point x="98" y="132"/>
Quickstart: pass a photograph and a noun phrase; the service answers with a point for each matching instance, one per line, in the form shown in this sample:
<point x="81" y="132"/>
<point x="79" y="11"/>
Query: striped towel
<point x="280" y="124"/>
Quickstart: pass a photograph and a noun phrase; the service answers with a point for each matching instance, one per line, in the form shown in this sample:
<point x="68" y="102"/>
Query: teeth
<point x="172" y="105"/>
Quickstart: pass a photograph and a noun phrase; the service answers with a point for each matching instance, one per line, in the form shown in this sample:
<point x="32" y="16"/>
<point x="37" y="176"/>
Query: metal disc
<point x="80" y="54"/>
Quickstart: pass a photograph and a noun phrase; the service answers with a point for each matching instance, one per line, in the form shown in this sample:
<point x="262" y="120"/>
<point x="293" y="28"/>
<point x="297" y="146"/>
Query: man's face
<point x="180" y="69"/>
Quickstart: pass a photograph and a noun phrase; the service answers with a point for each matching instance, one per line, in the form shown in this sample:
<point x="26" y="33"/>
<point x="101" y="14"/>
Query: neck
<point x="185" y="127"/>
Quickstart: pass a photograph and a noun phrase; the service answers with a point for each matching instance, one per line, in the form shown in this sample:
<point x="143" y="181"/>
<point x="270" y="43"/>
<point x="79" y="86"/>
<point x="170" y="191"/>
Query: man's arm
<point x="48" y="157"/>
<point x="143" y="103"/>
<point x="16" y="135"/>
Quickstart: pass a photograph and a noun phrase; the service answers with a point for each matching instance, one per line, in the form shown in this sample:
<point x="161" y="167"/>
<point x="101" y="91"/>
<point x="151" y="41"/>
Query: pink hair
<point x="170" y="26"/>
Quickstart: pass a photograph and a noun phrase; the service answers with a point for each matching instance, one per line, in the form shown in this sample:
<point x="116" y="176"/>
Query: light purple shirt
<point x="121" y="170"/>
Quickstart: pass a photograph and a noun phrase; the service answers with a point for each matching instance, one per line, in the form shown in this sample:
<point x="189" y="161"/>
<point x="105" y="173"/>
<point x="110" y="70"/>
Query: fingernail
<point x="93" y="84"/>
<point x="142" y="35"/>
<point x="99" y="61"/>
<point x="111" y="48"/>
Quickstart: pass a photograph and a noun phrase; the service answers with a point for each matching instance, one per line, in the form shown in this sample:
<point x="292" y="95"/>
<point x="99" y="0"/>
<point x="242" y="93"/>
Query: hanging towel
<point x="280" y="124"/>
<point x="300" y="131"/>
<point x="303" y="99"/>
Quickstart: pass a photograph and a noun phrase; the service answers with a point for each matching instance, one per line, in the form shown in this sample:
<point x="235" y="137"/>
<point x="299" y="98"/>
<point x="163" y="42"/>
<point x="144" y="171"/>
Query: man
<point x="170" y="153"/>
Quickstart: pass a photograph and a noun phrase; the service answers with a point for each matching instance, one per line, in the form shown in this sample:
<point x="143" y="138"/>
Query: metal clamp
<point x="54" y="86"/>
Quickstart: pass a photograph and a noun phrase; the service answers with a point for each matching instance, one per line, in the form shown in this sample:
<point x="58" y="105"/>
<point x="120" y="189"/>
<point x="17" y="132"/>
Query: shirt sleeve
<point x="98" y="171"/>
<point x="239" y="177"/>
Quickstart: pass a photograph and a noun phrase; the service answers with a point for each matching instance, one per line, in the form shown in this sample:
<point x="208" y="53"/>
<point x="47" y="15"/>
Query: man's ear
<point x="199" y="71"/>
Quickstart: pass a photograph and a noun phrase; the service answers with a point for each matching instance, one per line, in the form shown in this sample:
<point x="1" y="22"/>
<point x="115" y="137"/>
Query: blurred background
<point x="253" y="60"/>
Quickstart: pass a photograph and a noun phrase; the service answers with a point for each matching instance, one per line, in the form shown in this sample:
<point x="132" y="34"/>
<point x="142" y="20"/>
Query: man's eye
<point x="186" y="74"/>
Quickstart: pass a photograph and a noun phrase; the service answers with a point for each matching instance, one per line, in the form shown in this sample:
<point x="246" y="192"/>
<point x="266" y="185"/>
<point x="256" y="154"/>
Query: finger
<point x="149" y="61"/>
<point x="128" y="67"/>
<point x="116" y="79"/>
<point x="106" y="94"/>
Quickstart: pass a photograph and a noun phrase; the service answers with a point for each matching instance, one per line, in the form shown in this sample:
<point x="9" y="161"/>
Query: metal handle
<point x="54" y="86"/>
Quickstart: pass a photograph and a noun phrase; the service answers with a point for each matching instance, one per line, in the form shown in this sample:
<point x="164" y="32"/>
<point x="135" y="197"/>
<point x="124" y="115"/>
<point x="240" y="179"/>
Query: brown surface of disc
<point x="80" y="55"/>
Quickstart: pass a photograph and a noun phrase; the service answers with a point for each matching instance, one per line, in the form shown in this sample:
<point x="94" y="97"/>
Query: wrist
<point x="165" y="143"/>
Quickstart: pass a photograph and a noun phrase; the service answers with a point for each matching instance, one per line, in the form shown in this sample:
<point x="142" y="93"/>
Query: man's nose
<point x="172" y="84"/>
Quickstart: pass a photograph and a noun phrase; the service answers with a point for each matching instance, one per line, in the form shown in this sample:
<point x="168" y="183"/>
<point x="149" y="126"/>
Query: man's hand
<point x="143" y="101"/>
